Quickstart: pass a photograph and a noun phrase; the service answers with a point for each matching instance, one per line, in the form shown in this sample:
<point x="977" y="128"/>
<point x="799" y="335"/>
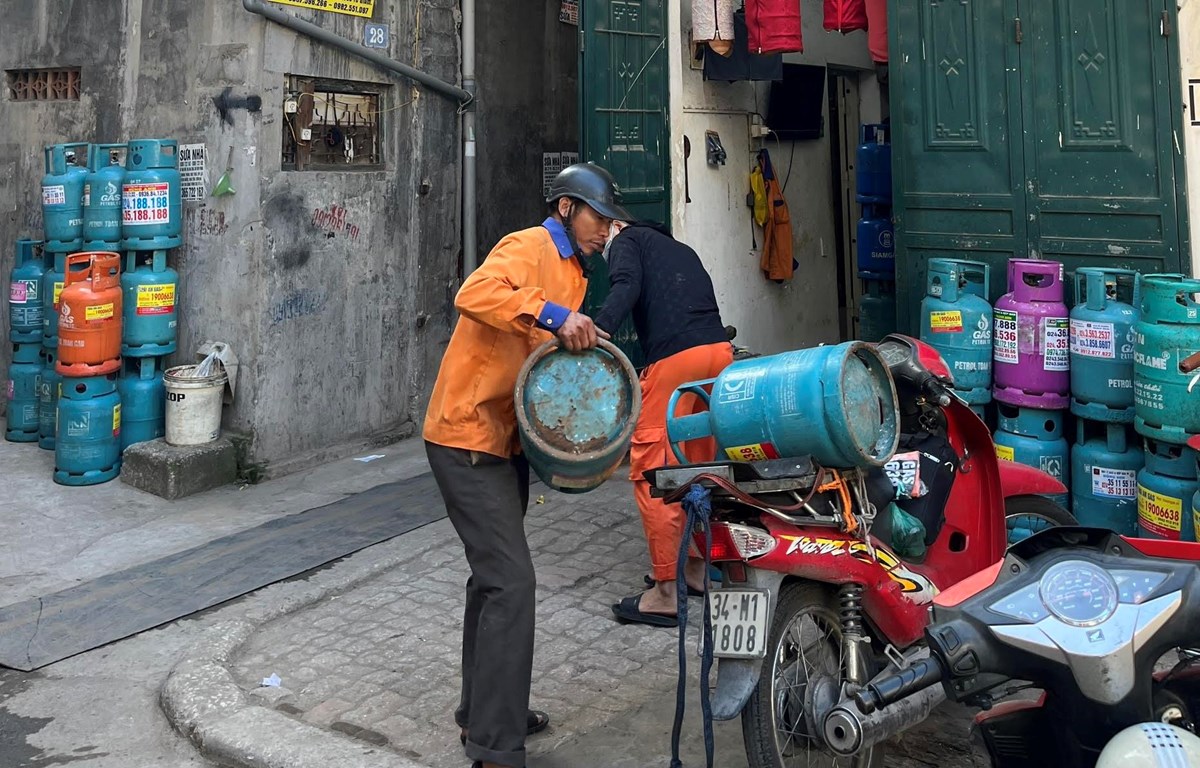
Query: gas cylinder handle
<point x="76" y="275"/>
<point x="982" y="268"/>
<point x="681" y="429"/>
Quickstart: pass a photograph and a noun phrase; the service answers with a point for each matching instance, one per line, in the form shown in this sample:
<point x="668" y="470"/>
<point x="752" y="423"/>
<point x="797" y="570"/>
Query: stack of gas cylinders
<point x="876" y="249"/>
<point x="1166" y="406"/>
<point x="1106" y="372"/>
<point x="99" y="333"/>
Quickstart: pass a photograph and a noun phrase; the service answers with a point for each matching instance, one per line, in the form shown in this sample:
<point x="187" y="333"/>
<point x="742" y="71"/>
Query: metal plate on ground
<point x="739" y="619"/>
<point x="52" y="627"/>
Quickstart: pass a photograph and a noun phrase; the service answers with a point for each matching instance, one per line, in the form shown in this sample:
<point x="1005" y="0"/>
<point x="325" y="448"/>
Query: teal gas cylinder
<point x="53" y="281"/>
<point x="25" y="293"/>
<point x="87" y="448"/>
<point x="151" y="201"/>
<point x="836" y="403"/>
<point x="150" y="317"/>
<point x="576" y="414"/>
<point x="956" y="320"/>
<point x="1105" y="461"/>
<point x="877" y="307"/>
<point x="62" y="197"/>
<point x="1034" y="437"/>
<point x="48" y="392"/>
<point x="1167" y="332"/>
<point x="1166" y="487"/>
<point x="142" y="401"/>
<point x="1102" y="341"/>
<point x="102" y="198"/>
<point x="22" y="393"/>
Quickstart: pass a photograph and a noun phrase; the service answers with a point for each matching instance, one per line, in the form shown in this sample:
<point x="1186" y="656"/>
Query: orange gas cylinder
<point x="89" y="320"/>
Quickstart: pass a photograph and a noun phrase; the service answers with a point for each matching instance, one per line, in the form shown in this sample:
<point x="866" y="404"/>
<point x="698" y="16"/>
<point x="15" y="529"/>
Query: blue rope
<point x="698" y="505"/>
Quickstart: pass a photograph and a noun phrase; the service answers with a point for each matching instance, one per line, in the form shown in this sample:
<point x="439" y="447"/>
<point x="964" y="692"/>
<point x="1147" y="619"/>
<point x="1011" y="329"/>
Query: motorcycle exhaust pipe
<point x="848" y="731"/>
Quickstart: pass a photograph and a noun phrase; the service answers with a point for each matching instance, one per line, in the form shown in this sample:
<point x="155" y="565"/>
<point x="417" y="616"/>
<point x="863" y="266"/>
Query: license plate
<point x="739" y="618"/>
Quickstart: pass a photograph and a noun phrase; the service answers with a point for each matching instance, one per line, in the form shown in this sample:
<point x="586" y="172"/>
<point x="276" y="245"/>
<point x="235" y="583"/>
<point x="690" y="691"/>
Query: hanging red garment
<point x="845" y="15"/>
<point x="773" y="26"/>
<point x="877" y="33"/>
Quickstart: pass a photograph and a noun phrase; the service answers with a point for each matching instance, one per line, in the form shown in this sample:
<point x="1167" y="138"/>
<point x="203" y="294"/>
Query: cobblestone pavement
<point x="381" y="663"/>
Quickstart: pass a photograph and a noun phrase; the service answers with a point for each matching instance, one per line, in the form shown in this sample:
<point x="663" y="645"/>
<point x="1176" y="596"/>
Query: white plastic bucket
<point x="193" y="408"/>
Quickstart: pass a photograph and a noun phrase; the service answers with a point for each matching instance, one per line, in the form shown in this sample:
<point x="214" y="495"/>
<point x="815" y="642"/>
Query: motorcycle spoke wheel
<point x="805" y="647"/>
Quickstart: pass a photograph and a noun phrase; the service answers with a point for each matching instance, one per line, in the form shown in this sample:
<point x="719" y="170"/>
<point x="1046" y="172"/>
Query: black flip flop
<point x="627" y="612"/>
<point x="536" y="722"/>
<point x="650" y="582"/>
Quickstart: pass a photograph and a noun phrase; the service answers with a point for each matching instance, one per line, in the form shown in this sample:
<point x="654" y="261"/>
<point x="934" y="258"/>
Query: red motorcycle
<point x="814" y="601"/>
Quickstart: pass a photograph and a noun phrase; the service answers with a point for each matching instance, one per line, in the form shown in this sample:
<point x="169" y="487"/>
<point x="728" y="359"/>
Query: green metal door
<point x="623" y="104"/>
<point x="956" y="146"/>
<point x="1099" y="141"/>
<point x="1032" y="128"/>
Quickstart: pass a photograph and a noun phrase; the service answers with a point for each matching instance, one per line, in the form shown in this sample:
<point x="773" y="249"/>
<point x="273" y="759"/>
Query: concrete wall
<point x="339" y="329"/>
<point x="528" y="104"/>
<point x="1189" y="50"/>
<point x="770" y="317"/>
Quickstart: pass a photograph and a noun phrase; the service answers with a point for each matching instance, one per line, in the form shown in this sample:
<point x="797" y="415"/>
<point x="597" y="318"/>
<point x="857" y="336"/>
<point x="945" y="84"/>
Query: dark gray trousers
<point x="486" y="497"/>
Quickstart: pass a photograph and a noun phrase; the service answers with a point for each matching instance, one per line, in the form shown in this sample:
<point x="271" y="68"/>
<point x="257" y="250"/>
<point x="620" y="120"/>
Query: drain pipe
<point x="470" y="238"/>
<point x="465" y="98"/>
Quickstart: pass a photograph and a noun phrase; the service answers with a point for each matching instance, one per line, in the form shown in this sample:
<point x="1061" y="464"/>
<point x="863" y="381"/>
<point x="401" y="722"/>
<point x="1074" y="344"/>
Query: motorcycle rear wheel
<point x="1027" y="515"/>
<point x="804" y="643"/>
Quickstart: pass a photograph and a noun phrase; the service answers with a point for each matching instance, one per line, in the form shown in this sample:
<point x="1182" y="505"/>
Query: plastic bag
<point x="908" y="534"/>
<point x="208" y="366"/>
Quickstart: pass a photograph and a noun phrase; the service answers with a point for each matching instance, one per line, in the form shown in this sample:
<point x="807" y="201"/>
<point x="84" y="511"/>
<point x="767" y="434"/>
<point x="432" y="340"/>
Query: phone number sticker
<point x="155" y="299"/>
<point x="1159" y="514"/>
<point x="145" y="204"/>
<point x="1004" y="336"/>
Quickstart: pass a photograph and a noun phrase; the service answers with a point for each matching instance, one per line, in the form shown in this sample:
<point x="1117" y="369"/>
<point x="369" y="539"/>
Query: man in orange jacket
<point x="527" y="289"/>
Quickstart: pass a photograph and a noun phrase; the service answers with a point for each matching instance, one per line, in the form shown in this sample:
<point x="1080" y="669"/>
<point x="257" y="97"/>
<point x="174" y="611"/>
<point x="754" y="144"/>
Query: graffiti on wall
<point x="334" y="220"/>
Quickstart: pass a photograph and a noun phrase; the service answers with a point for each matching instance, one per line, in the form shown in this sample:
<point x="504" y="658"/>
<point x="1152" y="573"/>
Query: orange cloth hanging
<point x="776" y="261"/>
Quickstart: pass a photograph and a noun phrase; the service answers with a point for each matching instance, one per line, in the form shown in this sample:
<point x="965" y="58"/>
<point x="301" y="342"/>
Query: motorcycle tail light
<point x="735" y="542"/>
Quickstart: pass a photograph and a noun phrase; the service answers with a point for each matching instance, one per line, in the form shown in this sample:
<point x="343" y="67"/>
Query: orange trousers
<point x="650" y="448"/>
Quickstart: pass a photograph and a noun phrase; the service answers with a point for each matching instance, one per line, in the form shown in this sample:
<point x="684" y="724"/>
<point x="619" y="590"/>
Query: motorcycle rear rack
<point x="751" y="477"/>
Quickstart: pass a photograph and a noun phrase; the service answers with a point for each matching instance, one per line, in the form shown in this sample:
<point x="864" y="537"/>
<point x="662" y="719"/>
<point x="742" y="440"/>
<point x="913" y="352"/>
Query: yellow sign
<point x="156" y="299"/>
<point x="945" y="322"/>
<point x="364" y="8"/>
<point x="756" y="452"/>
<point x="98" y="312"/>
<point x="57" y="292"/>
<point x="1005" y="453"/>
<point x="117" y="419"/>
<point x="1159" y="514"/>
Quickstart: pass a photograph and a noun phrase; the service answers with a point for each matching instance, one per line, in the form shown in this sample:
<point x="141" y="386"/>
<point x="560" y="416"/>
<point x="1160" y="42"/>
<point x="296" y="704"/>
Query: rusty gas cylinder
<point x="89" y="320"/>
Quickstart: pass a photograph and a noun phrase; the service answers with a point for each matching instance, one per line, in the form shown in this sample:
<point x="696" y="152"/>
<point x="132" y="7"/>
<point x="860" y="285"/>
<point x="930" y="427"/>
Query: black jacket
<point x="666" y="287"/>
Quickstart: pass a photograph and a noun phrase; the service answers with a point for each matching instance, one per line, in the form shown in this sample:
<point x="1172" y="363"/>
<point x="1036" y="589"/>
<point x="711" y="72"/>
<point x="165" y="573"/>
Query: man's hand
<point x="579" y="333"/>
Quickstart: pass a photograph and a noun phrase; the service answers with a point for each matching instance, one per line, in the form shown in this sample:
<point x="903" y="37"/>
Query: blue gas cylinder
<point x="22" y="393"/>
<point x="1167" y="332"/>
<point x="24" y="294"/>
<point x="1105" y="461"/>
<point x="151" y="201"/>
<point x="87" y="449"/>
<point x="1102" y="341"/>
<point x="48" y="391"/>
<point x="1034" y="437"/>
<point x="102" y="198"/>
<point x="835" y="403"/>
<point x="142" y="401"/>
<point x="149" y="289"/>
<point x="1166" y="487"/>
<point x="53" y="280"/>
<point x="62" y="197"/>
<point x="956" y="320"/>
<point x="876" y="244"/>
<point x="873" y="171"/>
<point x="877" y="307"/>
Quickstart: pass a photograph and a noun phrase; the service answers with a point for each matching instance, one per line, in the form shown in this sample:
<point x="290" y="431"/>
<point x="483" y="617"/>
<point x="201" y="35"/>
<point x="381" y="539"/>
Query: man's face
<point x="590" y="228"/>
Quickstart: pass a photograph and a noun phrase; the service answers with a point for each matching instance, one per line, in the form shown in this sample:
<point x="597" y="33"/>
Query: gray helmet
<point x="591" y="184"/>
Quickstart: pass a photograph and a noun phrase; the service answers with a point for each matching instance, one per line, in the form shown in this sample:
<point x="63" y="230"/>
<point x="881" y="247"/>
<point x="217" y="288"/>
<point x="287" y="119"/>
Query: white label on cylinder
<point x="1114" y="483"/>
<point x="1004" y="337"/>
<point x="1090" y="339"/>
<point x="54" y="194"/>
<point x="1056" y="344"/>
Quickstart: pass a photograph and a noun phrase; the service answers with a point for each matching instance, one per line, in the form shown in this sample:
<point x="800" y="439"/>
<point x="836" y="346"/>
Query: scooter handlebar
<point x="922" y="674"/>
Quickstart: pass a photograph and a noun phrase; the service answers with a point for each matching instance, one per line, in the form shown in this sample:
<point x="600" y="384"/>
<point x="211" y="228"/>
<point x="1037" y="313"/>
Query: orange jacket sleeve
<point x="503" y="292"/>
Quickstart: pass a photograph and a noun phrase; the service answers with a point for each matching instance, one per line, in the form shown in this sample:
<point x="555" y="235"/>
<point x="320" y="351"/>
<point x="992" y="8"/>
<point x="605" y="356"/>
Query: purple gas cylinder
<point x="1031" y="337"/>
